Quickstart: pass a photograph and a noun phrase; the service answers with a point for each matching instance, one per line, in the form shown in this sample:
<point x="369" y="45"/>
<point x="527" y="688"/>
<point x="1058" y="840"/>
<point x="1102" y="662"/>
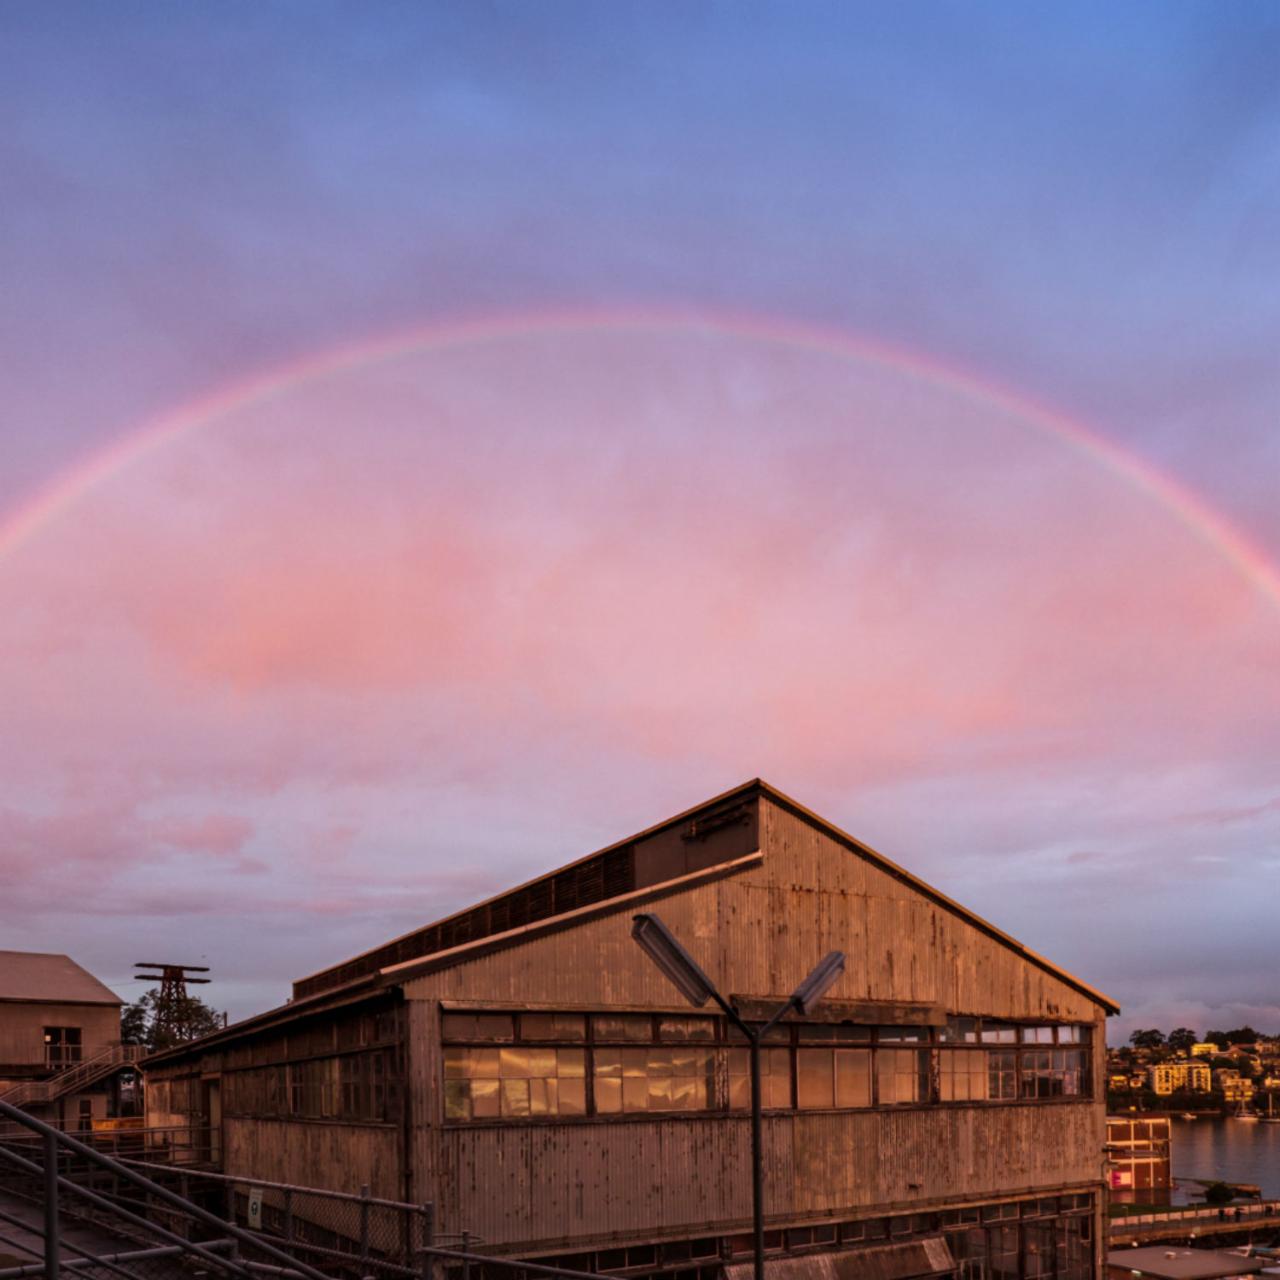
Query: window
<point x="686" y="1028"/>
<point x="622" y="1027"/>
<point x="960" y="1031"/>
<point x="513" y="1081"/>
<point x="478" y="1026"/>
<point x="62" y="1047"/>
<point x="962" y="1075"/>
<point x="833" y="1078"/>
<point x="902" y="1075"/>
<point x="553" y="1026"/>
<point x="775" y="1079"/>
<point x="1002" y="1074"/>
<point x="654" y="1078"/>
<point x="1053" y="1073"/>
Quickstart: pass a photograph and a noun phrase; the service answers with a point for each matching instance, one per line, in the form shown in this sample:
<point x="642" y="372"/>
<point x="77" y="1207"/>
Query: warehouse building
<point x="523" y="1066"/>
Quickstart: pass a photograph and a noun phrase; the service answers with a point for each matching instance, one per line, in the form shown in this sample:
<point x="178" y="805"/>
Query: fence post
<point x="428" y="1239"/>
<point x="52" y="1234"/>
<point x="288" y="1213"/>
<point x="364" y="1223"/>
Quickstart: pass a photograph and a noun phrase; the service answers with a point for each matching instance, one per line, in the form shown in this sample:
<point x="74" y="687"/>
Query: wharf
<point x="1262" y="1217"/>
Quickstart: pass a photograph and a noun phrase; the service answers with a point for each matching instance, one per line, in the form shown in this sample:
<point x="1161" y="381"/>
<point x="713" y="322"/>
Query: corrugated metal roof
<point x="1184" y="1264"/>
<point x="37" y="975"/>
<point x="905" y="1261"/>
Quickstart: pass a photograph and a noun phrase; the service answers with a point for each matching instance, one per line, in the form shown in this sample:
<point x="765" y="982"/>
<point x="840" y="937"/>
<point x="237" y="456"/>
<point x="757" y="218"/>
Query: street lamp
<point x="662" y="947"/>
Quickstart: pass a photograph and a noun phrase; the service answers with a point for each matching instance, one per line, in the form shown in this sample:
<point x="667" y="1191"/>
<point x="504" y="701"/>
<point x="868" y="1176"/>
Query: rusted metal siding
<point x="544" y="1184"/>
<point x="323" y="1154"/>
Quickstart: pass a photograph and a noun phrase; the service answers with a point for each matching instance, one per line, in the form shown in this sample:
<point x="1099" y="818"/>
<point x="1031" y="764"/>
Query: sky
<point x="438" y="440"/>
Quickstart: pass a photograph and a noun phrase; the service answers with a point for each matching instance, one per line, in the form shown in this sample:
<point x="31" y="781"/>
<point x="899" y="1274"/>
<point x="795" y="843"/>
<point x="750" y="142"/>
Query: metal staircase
<point x="39" y="1092"/>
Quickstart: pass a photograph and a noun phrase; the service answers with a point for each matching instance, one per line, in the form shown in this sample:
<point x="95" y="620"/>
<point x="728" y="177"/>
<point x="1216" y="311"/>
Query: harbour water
<point x="1226" y="1150"/>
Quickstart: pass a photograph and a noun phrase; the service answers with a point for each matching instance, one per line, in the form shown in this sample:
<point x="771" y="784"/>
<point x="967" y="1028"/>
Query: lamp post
<point x="679" y="966"/>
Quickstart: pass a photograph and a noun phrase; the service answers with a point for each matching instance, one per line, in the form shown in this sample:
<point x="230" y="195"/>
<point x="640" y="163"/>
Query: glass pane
<point x="998" y="1033"/>
<point x="902" y="1035"/>
<point x="1037" y="1035"/>
<point x="815" y="1078"/>
<point x="837" y="1032"/>
<point x="571" y="1063"/>
<point x="608" y="1095"/>
<point x="515" y="1097"/>
<point x="960" y="1031"/>
<point x="478" y="1026"/>
<point x="515" y="1063"/>
<point x="455" y="1063"/>
<point x="553" y="1026"/>
<point x="573" y="1096"/>
<point x="486" y="1064"/>
<point x="686" y="1028"/>
<point x="622" y="1026"/>
<point x="608" y="1062"/>
<point x="635" y="1093"/>
<point x="457" y="1100"/>
<point x="853" y="1077"/>
<point x="484" y="1099"/>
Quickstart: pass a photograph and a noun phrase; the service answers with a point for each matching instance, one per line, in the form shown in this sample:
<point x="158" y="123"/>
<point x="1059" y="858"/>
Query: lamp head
<point x="819" y="981"/>
<point x="679" y="966"/>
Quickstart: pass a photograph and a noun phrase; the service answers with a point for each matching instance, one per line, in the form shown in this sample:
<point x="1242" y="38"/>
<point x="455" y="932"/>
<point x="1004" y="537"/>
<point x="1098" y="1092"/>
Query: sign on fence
<point x="255" y="1208"/>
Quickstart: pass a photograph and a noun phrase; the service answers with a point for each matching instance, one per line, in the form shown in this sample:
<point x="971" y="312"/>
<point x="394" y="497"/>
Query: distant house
<point x="523" y="1066"/>
<point x="1168" y="1077"/>
<point x="60" y="1051"/>
<point x="1205" y="1049"/>
<point x="1234" y="1086"/>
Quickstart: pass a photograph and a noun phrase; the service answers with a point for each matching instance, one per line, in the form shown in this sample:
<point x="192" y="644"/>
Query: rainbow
<point x="64" y="491"/>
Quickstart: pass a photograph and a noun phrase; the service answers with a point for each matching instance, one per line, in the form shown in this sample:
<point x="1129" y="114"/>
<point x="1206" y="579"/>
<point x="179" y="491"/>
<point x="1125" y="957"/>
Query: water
<point x="1226" y="1150"/>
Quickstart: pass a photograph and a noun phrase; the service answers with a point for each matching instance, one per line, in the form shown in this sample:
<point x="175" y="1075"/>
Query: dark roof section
<point x="716" y="832"/>
<point x="45" y="978"/>
<point x="713" y="833"/>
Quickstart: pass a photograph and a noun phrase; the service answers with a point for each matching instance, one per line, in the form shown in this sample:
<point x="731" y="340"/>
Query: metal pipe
<point x="105" y="1259"/>
<point x="154" y="1188"/>
<point x="52" y="1232"/>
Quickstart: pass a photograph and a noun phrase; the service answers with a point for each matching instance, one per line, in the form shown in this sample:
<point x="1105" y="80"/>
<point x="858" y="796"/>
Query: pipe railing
<point x="56" y="1142"/>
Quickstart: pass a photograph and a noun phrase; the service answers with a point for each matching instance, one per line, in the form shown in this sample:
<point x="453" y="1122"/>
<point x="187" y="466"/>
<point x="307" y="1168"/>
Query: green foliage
<point x="138" y="1022"/>
<point x="1217" y="1037"/>
<point x="1181" y="1039"/>
<point x="1242" y="1035"/>
<point x="1149" y="1039"/>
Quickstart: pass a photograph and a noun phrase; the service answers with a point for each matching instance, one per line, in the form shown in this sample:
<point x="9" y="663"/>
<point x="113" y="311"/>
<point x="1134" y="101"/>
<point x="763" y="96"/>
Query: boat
<point x="1271" y="1117"/>
<point x="1188" y="1115"/>
<point x="1243" y="1112"/>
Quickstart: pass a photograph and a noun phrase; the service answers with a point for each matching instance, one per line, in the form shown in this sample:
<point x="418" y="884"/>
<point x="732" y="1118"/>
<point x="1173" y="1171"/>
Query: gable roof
<point x="46" y="977"/>
<point x="611" y="874"/>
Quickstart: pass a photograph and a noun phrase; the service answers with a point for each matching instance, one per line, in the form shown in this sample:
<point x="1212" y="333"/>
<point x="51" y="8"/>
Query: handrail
<point x="55" y="1138"/>
<point x="45" y="1090"/>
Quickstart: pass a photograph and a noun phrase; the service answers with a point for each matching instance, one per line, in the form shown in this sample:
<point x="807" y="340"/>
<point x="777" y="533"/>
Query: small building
<point x="1139" y="1164"/>
<point x="1233" y="1086"/>
<point x="1205" y="1049"/>
<point x="1168" y="1077"/>
<point x="60" y="1051"/>
<point x="524" y="1067"/>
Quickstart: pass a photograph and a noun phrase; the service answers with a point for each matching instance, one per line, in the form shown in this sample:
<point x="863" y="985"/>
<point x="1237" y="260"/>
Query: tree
<point x="1242" y="1035"/>
<point x="138" y="1022"/>
<point x="1217" y="1037"/>
<point x="1181" y="1039"/>
<point x="1151" y="1039"/>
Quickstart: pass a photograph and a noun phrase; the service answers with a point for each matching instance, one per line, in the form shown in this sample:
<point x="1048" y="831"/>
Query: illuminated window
<point x="654" y="1078"/>
<point x="513" y="1081"/>
<point x="962" y="1075"/>
<point x="833" y="1078"/>
<point x="775" y="1078"/>
<point x="902" y="1075"/>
